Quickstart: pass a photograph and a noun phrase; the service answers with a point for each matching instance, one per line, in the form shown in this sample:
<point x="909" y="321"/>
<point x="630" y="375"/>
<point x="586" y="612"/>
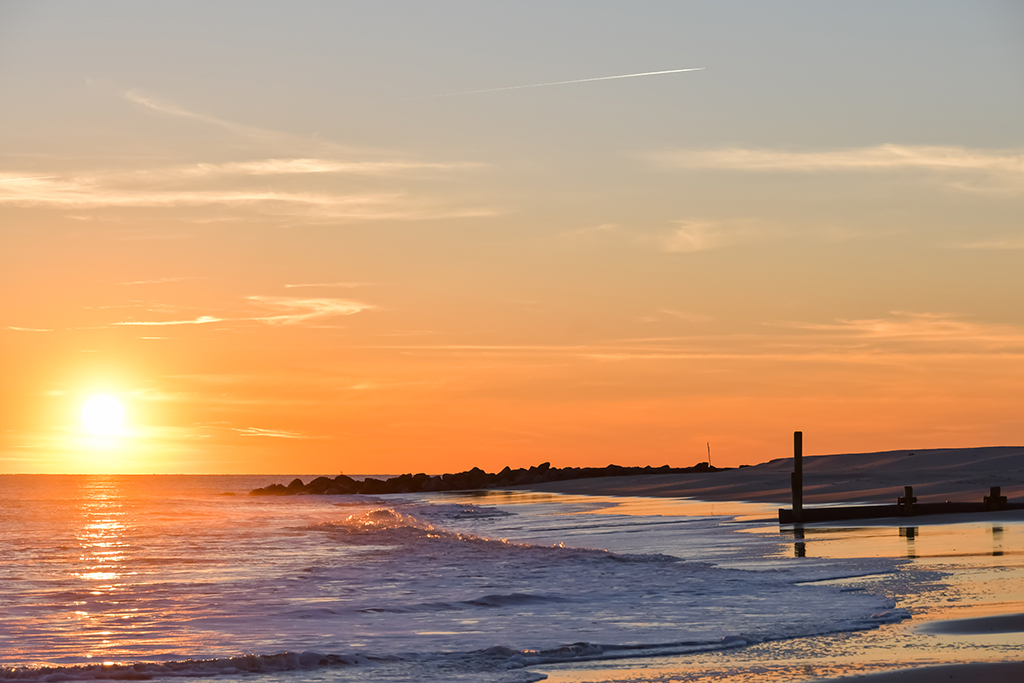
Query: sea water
<point x="139" y="577"/>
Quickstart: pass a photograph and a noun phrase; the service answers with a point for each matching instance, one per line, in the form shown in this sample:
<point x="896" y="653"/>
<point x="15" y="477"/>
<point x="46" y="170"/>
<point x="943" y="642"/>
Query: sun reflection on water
<point x="102" y="534"/>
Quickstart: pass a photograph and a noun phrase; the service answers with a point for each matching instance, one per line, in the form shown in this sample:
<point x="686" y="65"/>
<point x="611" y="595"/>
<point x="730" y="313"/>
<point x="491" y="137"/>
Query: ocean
<point x="137" y="577"/>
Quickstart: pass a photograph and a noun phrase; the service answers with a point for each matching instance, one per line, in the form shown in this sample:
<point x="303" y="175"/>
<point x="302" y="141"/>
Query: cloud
<point x="878" y="158"/>
<point x="691" y="235"/>
<point x="687" y="317"/>
<point x="266" y="167"/>
<point x="28" y="329"/>
<point x="930" y="329"/>
<point x="273" y="433"/>
<point x="164" y="107"/>
<point x="281" y="166"/>
<point x="284" y="311"/>
<point x="243" y="185"/>
<point x="889" y="339"/>
<point x="113" y="191"/>
<point x="159" y="280"/>
<point x="330" y="284"/>
<point x="294" y="310"/>
<point x="995" y="243"/>
<point x="965" y="169"/>
<point x="201" y="320"/>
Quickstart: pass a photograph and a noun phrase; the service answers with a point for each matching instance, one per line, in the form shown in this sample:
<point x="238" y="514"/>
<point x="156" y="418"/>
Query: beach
<point x="959" y="474"/>
<point x="949" y="638"/>
<point x="611" y="580"/>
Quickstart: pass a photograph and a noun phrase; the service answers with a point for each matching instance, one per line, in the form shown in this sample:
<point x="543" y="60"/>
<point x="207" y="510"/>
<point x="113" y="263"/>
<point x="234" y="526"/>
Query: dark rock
<point x="473" y="479"/>
<point x="271" y="490"/>
<point x="319" y="485"/>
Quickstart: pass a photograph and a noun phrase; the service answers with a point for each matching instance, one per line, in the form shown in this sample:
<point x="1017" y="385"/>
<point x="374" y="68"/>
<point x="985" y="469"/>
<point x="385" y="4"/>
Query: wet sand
<point x="961" y="474"/>
<point x="989" y="672"/>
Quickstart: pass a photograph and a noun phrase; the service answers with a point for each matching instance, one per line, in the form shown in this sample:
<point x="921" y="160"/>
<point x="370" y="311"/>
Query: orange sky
<point x="286" y="246"/>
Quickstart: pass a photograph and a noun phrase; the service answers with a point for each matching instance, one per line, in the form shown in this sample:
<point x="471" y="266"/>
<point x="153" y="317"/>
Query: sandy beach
<point x="936" y="474"/>
<point x="940" y="643"/>
<point x="990" y="672"/>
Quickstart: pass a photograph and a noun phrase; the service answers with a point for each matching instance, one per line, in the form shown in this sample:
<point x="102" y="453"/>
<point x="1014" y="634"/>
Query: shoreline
<point x="958" y="647"/>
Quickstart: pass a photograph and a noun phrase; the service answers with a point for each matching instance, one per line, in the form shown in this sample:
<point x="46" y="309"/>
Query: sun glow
<point x="103" y="415"/>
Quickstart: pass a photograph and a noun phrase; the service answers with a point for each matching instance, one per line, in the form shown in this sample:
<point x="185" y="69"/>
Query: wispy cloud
<point x="114" y="191"/>
<point x="282" y="311"/>
<point x="272" y="433"/>
<point x="267" y="167"/>
<point x="922" y="332"/>
<point x="547" y="85"/>
<point x="28" y="329"/>
<point x="878" y="158"/>
<point x="158" y="281"/>
<point x="684" y="316"/>
<point x="994" y="243"/>
<point x="201" y="320"/>
<point x="163" y="106"/>
<point x="243" y="184"/>
<point x="699" y="235"/>
<point x="958" y="168"/>
<point x="295" y="310"/>
<point x="329" y="284"/>
<point x="888" y="340"/>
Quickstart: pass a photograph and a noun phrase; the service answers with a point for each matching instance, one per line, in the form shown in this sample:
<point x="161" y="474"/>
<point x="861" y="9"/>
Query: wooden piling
<point x="994" y="501"/>
<point x="906" y="501"/>
<point x="796" y="479"/>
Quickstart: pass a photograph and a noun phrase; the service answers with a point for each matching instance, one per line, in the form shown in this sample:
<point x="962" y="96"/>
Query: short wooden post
<point x="994" y="501"/>
<point x="906" y="501"/>
<point x="796" y="479"/>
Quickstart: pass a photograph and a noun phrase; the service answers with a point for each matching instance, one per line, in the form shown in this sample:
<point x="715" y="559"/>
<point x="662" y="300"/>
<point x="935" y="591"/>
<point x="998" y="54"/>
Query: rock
<point x="473" y="479"/>
<point x="319" y="485"/>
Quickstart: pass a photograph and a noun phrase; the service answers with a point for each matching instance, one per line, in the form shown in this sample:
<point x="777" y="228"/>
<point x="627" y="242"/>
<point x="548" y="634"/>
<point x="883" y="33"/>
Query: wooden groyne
<point x="906" y="505"/>
<point x="838" y="514"/>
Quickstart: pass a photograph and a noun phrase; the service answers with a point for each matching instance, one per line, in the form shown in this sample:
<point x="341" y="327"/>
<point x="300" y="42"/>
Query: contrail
<point x="544" y="85"/>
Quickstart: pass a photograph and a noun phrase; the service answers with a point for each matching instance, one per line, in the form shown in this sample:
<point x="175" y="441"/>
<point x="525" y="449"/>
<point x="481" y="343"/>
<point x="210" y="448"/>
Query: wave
<point x="497" y="663"/>
<point x="389" y="524"/>
<point x="486" y="601"/>
<point x="398" y="594"/>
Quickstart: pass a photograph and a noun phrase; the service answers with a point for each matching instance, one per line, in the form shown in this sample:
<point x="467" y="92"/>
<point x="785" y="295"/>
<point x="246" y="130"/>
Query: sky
<point x="326" y="237"/>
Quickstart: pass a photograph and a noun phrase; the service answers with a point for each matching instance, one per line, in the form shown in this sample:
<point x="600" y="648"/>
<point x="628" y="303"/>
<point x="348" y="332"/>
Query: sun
<point x="102" y="415"/>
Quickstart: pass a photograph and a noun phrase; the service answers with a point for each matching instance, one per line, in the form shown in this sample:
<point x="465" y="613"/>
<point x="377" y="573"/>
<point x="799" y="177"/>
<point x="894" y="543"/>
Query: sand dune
<point x="940" y="474"/>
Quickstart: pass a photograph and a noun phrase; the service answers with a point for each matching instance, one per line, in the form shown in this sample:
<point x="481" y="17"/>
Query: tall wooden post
<point x="797" y="478"/>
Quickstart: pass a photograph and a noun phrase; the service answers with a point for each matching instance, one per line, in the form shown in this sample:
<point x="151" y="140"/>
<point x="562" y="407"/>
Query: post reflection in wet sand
<point x="910" y="533"/>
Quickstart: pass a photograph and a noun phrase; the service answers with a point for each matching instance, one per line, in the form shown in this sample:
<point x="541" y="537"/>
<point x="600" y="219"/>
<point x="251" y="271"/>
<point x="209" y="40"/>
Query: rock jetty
<point x="470" y="480"/>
